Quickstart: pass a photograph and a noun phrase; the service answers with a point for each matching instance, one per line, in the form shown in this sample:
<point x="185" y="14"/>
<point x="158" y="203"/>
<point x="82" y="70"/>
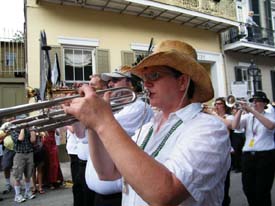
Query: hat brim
<point x="108" y="76"/>
<point x="186" y="65"/>
<point x="252" y="99"/>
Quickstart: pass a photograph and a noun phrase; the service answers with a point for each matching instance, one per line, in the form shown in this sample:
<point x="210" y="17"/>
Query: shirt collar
<point x="186" y="113"/>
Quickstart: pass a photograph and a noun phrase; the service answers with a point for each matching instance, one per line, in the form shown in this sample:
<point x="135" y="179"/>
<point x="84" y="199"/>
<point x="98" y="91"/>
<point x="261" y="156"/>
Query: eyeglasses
<point x="154" y="76"/>
<point x="219" y="103"/>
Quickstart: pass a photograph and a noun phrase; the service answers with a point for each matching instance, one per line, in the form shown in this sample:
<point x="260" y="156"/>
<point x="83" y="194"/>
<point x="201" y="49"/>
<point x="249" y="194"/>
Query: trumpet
<point x="49" y="120"/>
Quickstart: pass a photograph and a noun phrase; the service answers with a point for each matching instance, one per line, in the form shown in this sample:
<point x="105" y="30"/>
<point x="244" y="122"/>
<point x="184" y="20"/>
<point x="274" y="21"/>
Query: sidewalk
<point x="59" y="197"/>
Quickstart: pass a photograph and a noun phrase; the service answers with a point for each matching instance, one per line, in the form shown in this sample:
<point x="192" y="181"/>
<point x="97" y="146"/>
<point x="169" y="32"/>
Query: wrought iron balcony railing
<point x="223" y="8"/>
<point x="259" y="35"/>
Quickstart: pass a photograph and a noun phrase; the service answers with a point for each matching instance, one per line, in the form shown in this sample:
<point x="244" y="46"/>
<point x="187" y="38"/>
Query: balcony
<point x="262" y="43"/>
<point x="202" y="14"/>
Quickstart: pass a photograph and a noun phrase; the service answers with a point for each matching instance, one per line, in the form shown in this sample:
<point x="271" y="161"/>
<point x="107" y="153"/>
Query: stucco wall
<point x="114" y="31"/>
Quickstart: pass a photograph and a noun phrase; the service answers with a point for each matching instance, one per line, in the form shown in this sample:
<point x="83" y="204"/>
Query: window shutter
<point x="102" y="57"/>
<point x="127" y="58"/>
<point x="238" y="73"/>
<point x="258" y="80"/>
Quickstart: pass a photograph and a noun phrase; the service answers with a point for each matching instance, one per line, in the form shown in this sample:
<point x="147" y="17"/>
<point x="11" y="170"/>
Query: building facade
<point x="12" y="68"/>
<point x="94" y="36"/>
<point x="244" y="78"/>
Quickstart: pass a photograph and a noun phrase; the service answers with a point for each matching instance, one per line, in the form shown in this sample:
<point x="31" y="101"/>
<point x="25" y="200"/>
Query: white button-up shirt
<point x="131" y="118"/>
<point x="197" y="153"/>
<point x="71" y="145"/>
<point x="134" y="115"/>
<point x="263" y="137"/>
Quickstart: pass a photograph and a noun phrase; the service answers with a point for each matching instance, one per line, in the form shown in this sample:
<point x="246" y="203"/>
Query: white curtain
<point x="78" y="60"/>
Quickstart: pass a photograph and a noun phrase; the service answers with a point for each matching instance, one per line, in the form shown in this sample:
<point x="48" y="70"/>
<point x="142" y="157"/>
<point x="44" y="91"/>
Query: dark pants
<point x="249" y="33"/>
<point x="237" y="142"/>
<point x="258" y="170"/>
<point x="82" y="195"/>
<point x="108" y="200"/>
<point x="226" y="199"/>
<point x="74" y="166"/>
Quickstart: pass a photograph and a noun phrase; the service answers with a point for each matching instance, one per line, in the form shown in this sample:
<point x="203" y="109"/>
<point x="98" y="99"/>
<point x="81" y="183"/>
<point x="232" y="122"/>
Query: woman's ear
<point x="183" y="82"/>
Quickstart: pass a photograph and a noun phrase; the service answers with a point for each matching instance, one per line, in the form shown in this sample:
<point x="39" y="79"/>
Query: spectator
<point x="39" y="160"/>
<point x="250" y="26"/>
<point x="54" y="177"/>
<point x="8" y="155"/>
<point x="23" y="162"/>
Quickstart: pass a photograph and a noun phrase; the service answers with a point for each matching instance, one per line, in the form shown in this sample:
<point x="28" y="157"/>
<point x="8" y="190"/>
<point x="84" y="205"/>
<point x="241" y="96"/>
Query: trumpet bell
<point x="230" y="101"/>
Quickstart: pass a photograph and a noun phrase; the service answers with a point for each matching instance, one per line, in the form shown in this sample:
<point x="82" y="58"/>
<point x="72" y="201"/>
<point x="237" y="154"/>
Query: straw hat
<point x="182" y="57"/>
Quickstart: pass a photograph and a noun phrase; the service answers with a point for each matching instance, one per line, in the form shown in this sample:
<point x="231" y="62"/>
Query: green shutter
<point x="127" y="58"/>
<point x="102" y="57"/>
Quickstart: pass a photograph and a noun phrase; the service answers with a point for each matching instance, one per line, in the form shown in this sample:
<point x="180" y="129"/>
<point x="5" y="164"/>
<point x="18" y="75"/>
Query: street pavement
<point x="63" y="196"/>
<point x="58" y="197"/>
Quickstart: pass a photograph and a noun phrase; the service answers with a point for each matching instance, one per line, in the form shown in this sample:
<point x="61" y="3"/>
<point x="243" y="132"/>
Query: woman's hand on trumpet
<point x="91" y="109"/>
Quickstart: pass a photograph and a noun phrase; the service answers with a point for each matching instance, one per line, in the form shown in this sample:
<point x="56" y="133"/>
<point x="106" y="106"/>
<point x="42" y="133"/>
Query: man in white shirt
<point x="250" y="26"/>
<point x="130" y="117"/>
<point x="182" y="157"/>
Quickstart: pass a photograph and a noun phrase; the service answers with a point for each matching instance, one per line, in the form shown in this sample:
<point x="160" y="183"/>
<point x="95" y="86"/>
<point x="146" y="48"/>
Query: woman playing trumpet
<point x="258" y="160"/>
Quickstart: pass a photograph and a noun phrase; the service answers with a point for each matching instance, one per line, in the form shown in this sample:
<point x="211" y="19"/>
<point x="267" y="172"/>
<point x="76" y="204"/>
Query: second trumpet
<point x="48" y="119"/>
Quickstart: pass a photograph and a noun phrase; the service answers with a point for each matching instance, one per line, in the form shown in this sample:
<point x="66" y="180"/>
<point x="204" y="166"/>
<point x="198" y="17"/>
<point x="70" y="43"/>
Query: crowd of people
<point x="164" y="149"/>
<point x="33" y="156"/>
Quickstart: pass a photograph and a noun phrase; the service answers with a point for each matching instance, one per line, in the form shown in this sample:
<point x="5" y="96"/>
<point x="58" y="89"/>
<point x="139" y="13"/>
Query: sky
<point x="11" y="15"/>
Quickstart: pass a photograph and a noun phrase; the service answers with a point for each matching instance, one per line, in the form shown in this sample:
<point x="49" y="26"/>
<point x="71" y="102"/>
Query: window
<point x="140" y="50"/>
<point x="139" y="55"/>
<point x="241" y="74"/>
<point x="78" y="64"/>
<point x="10" y="59"/>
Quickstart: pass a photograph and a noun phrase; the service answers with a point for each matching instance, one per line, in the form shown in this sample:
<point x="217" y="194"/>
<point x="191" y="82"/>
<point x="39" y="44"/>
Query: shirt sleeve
<point x="243" y="121"/>
<point x="132" y="116"/>
<point x="100" y="186"/>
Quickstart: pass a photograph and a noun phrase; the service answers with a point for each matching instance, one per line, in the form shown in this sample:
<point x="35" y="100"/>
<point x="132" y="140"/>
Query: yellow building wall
<point x="114" y="31"/>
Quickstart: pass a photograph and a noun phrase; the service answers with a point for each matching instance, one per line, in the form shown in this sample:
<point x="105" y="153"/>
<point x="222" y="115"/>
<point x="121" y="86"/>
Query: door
<point x="12" y="94"/>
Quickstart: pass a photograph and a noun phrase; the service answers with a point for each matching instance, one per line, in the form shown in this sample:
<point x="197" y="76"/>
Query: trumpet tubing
<point x="55" y="119"/>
